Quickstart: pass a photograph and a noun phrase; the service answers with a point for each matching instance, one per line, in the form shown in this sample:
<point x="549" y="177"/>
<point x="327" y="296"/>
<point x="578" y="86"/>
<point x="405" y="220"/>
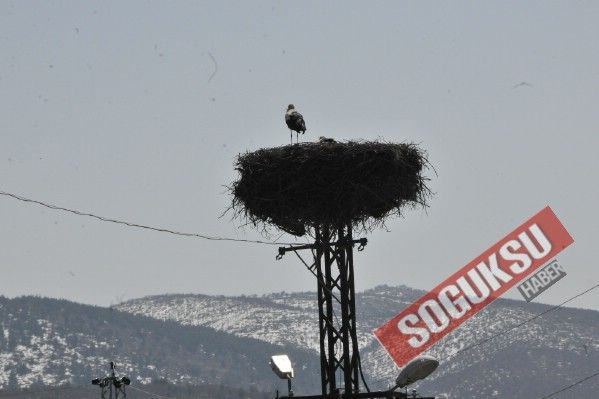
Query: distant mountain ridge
<point x="200" y="339"/>
<point x="550" y="351"/>
<point x="49" y="342"/>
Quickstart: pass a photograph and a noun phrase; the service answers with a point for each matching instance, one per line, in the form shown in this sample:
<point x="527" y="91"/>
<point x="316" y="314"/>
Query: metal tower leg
<point x="338" y="341"/>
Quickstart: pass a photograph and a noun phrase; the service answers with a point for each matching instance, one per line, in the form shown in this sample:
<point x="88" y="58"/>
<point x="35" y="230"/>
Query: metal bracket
<point x="281" y="253"/>
<point x="363" y="242"/>
<point x="283" y="250"/>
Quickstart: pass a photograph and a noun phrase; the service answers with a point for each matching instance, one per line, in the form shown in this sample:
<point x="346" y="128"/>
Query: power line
<point x="136" y="225"/>
<point x="551" y="309"/>
<point x="217" y="238"/>
<point x="571" y="385"/>
<point x="485" y="340"/>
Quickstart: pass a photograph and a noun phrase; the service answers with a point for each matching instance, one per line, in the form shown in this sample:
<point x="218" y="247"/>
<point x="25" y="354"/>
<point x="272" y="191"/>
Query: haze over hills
<point x="200" y="339"/>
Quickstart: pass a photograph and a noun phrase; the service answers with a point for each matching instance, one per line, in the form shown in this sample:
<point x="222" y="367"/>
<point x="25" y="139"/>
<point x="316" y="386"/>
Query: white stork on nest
<point x="295" y="122"/>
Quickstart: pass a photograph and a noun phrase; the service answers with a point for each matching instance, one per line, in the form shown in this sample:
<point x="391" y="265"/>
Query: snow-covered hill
<point x="49" y="342"/>
<point x="271" y="319"/>
<point x="201" y="339"/>
<point x="536" y="358"/>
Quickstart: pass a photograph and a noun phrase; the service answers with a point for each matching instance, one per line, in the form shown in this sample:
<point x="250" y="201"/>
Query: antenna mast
<point x="111" y="386"/>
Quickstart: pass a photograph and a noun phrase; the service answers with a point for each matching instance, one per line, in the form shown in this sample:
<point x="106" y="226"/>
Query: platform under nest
<point x="297" y="187"/>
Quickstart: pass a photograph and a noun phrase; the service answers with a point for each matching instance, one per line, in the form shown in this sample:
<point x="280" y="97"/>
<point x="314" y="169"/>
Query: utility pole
<point x="111" y="386"/>
<point x="333" y="267"/>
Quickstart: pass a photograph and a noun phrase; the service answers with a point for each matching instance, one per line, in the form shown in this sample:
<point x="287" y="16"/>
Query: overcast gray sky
<point x="118" y="108"/>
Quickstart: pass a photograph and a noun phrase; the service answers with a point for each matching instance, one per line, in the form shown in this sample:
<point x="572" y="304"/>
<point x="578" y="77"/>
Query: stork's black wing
<point x="295" y="122"/>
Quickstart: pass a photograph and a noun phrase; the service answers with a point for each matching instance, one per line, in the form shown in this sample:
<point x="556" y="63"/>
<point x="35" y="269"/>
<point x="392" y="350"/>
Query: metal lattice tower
<point x="336" y="292"/>
<point x="333" y="267"/>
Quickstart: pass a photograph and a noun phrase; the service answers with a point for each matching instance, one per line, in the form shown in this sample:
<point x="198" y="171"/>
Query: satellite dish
<point x="281" y="365"/>
<point x="417" y="369"/>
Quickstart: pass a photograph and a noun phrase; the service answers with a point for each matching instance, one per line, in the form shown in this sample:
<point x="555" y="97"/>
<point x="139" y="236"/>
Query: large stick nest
<point x="298" y="187"/>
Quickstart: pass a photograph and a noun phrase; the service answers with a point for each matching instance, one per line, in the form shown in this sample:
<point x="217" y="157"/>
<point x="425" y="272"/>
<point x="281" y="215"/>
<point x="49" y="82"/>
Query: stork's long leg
<point x="291" y="135"/>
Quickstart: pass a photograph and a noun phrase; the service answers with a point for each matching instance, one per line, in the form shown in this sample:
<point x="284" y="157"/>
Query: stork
<point x="295" y="122"/>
